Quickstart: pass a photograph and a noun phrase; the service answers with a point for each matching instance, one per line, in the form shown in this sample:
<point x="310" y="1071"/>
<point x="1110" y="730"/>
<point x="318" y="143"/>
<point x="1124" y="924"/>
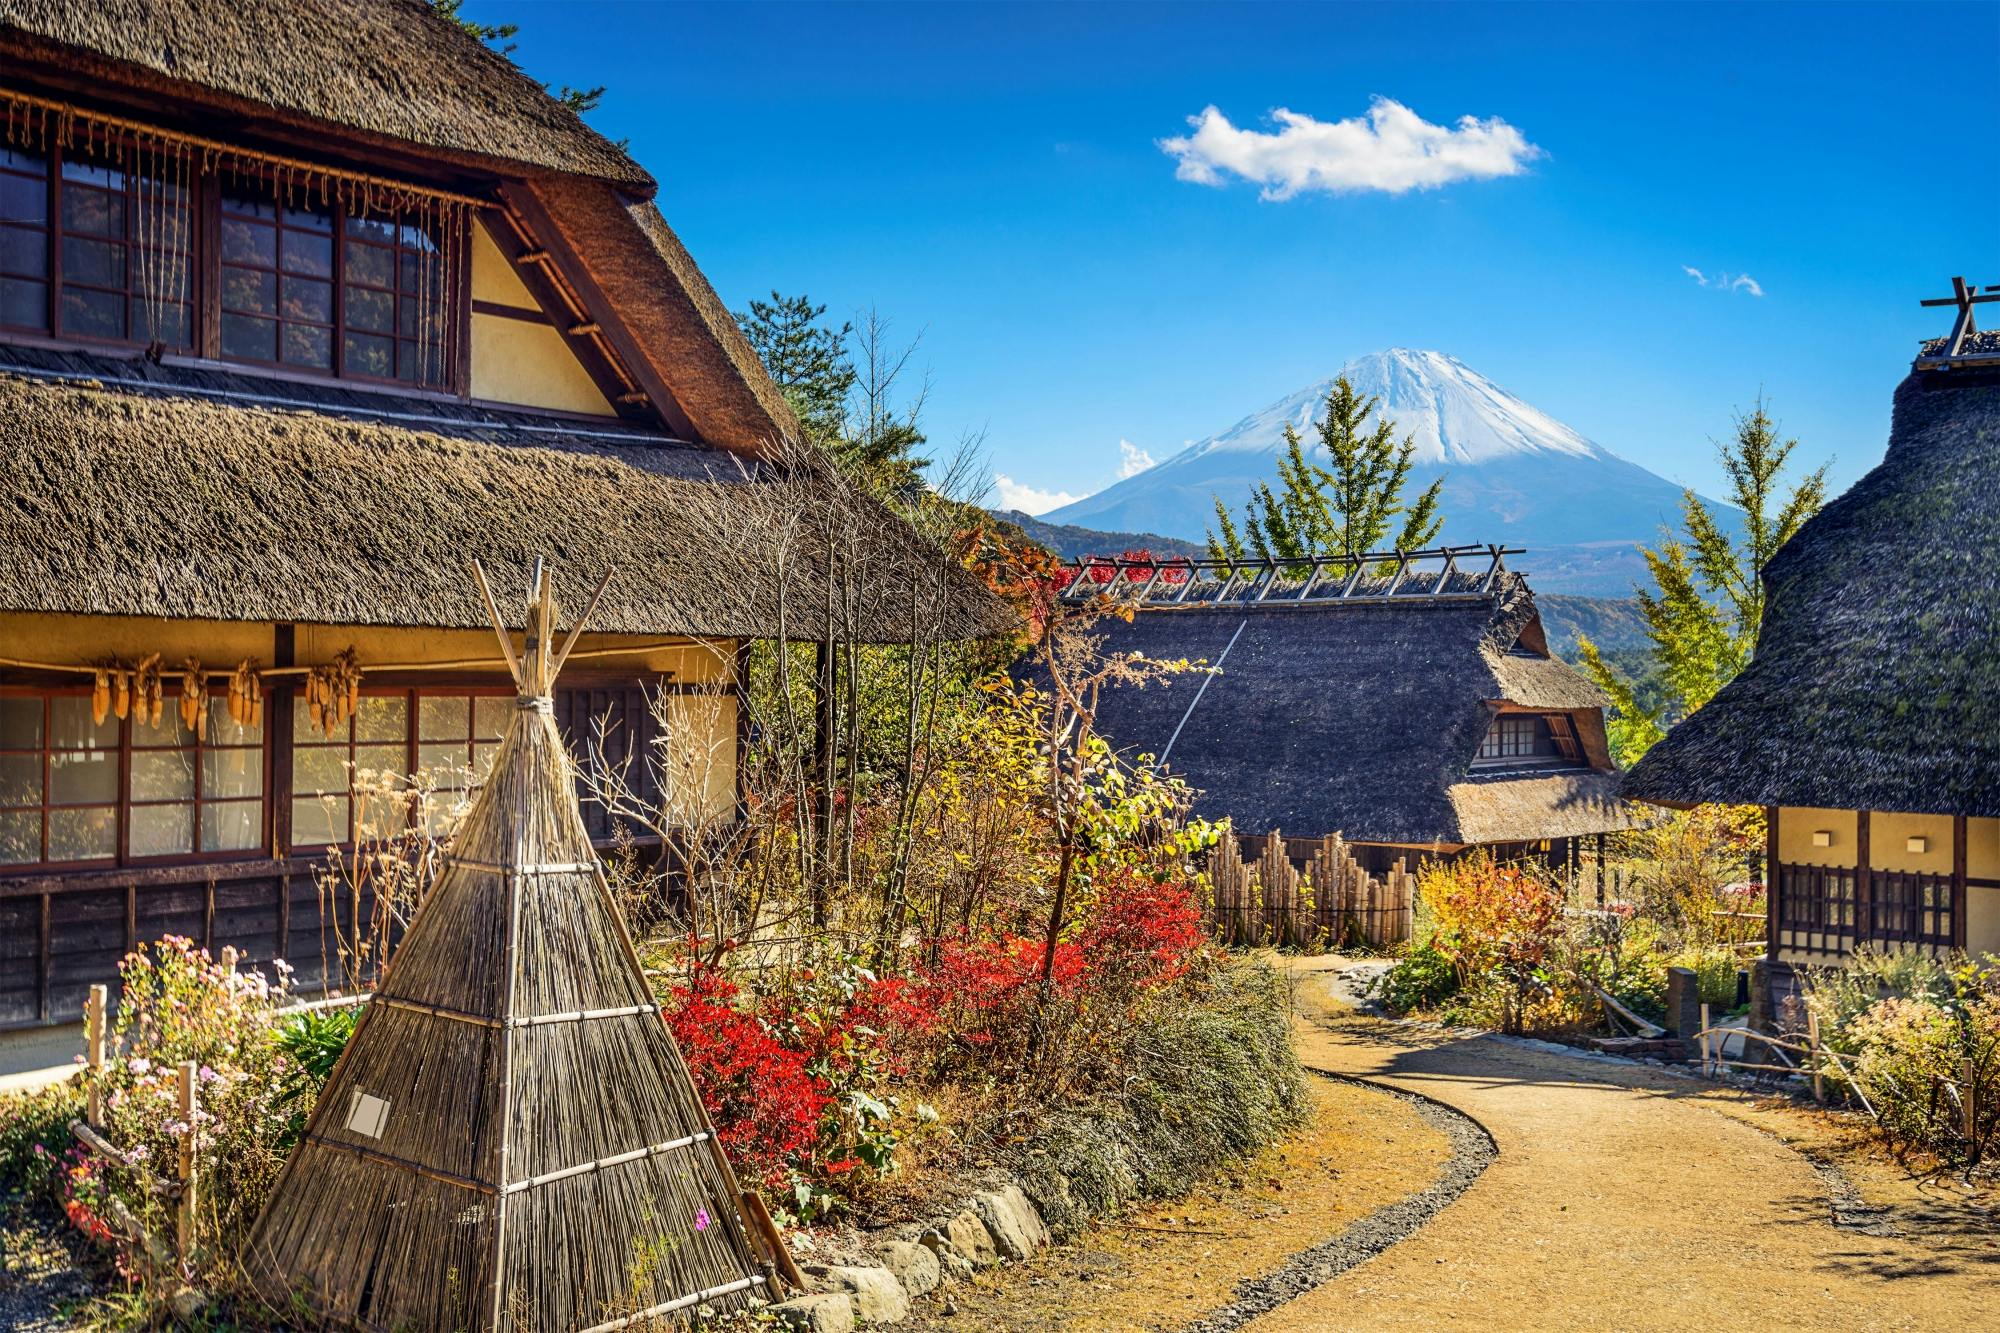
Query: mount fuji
<point x="1512" y="474"/>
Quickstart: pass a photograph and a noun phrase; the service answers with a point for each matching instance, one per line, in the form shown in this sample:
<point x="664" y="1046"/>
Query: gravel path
<point x="1472" y="1151"/>
<point x="39" y="1272"/>
<point x="1623" y="1198"/>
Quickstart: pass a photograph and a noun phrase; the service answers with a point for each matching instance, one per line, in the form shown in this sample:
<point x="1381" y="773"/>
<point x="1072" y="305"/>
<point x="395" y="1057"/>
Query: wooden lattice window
<point x="196" y="792"/>
<point x="24" y="239"/>
<point x="1529" y="738"/>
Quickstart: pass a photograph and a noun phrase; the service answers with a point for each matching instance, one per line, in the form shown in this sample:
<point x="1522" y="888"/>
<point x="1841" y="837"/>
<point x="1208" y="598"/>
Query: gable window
<point x="114" y="246"/>
<point x="1522" y="739"/>
<point x="102" y="247"/>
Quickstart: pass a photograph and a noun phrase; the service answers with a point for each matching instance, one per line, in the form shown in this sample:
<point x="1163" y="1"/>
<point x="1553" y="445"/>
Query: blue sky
<point x="993" y="178"/>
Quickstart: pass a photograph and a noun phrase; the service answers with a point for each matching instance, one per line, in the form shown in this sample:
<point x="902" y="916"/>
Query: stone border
<point x="1472" y="1151"/>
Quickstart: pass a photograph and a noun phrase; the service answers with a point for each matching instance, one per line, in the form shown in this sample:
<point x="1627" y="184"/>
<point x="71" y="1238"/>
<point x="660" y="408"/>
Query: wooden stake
<point x="761" y="1223"/>
<point x="184" y="1214"/>
<point x="1968" y="1104"/>
<point x="1812" y="1044"/>
<point x="1707" y="1069"/>
<point x="93" y="1042"/>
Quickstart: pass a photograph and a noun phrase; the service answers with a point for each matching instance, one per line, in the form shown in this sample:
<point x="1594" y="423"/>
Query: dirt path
<point x="1625" y="1198"/>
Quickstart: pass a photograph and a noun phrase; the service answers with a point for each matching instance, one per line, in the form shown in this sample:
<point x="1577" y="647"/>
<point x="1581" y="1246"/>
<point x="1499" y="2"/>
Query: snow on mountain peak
<point x="1454" y="414"/>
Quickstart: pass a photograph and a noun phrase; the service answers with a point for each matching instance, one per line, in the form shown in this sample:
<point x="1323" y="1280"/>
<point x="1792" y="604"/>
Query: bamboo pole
<point x="93" y="1044"/>
<point x="184" y="1213"/>
<point x="1968" y="1104"/>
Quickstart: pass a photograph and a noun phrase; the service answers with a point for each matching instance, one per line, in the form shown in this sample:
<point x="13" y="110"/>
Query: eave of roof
<point x="163" y="501"/>
<point x="392" y="70"/>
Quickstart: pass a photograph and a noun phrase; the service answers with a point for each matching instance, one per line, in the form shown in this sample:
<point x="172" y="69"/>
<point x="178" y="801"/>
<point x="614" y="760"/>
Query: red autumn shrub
<point x="766" y="1105"/>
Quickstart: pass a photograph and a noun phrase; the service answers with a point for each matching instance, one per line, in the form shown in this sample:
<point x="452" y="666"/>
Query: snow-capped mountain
<point x="1512" y="473"/>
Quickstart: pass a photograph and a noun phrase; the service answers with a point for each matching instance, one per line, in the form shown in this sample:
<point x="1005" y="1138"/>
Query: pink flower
<point x="139" y="1064"/>
<point x="701" y="1219"/>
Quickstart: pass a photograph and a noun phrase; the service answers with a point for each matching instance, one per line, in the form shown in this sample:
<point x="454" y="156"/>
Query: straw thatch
<point x="1876" y="681"/>
<point x="511" y="1139"/>
<point x="392" y="70"/>
<point x="189" y="495"/>
<point x="654" y="286"/>
<point x="1363" y="718"/>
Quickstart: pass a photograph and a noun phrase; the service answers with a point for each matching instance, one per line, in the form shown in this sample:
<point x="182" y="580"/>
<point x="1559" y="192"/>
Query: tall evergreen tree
<point x="807" y="359"/>
<point x="1348" y="508"/>
<point x="1707" y="600"/>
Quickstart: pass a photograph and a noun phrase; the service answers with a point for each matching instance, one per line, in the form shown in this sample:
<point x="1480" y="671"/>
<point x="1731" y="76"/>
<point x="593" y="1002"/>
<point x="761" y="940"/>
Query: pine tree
<point x="1348" y="508"/>
<point x="1707" y="601"/>
<point x="808" y="360"/>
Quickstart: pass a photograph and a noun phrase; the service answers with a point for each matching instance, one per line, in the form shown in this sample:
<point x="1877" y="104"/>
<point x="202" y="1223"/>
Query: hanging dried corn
<point x="333" y="692"/>
<point x="100" y="696"/>
<point x="121" y="690"/>
<point x="147" y="691"/>
<point x="194" y="698"/>
<point x="246" y="695"/>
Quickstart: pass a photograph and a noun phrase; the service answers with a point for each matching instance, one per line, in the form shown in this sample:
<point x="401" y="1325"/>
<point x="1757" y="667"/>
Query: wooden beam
<point x="1772" y="876"/>
<point x="1864" y="888"/>
<point x="635" y="362"/>
<point x="44" y="962"/>
<point x="1959" y="859"/>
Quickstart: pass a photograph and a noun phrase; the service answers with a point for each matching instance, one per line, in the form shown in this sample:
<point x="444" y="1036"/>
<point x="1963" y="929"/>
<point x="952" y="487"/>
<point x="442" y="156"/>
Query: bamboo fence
<point x="1327" y="903"/>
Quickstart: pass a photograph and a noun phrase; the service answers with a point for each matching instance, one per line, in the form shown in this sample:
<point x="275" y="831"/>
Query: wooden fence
<point x="1328" y="902"/>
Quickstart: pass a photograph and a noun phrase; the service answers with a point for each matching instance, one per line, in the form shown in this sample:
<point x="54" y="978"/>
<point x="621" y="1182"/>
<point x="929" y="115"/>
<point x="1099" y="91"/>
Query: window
<point x="77" y="791"/>
<point x="1528" y="738"/>
<point x="392" y="321"/>
<point x="277" y="283"/>
<point x="93" y="249"/>
<point x="191" y="792"/>
<point x="58" y="781"/>
<point x="375" y="742"/>
<point x="451" y="736"/>
<point x="24" y="239"/>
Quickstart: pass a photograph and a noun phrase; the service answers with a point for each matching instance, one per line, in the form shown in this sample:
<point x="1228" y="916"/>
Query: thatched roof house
<point x="302" y="305"/>
<point x="1868" y="721"/>
<point x="1431" y="720"/>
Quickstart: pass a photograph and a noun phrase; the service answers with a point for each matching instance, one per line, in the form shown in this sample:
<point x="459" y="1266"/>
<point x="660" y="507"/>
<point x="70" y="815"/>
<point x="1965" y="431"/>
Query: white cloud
<point x="1392" y="149"/>
<point x="1724" y="282"/>
<point x="1132" y="460"/>
<point x="1029" y="499"/>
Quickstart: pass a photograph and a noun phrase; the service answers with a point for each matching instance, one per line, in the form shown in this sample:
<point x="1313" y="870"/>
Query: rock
<point x="817" y="1312"/>
<point x="915" y="1266"/>
<point x="188" y="1303"/>
<point x="1012" y="1221"/>
<point x="876" y="1295"/>
<point x="969" y="1236"/>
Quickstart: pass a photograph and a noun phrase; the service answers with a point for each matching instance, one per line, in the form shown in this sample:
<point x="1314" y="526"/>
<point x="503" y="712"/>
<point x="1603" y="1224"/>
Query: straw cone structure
<point x="511" y="1140"/>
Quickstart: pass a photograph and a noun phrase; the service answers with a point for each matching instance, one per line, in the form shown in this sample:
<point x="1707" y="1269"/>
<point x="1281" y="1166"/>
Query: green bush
<point x="34" y="1136"/>
<point x="1422" y="978"/>
<point x="1214" y="1078"/>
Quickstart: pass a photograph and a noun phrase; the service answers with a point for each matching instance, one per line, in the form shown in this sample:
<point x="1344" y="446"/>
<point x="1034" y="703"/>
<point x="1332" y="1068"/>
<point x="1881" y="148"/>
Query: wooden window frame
<point x="121" y="806"/>
<point x="199" y="747"/>
<point x="412" y="695"/>
<point x="1554" y="743"/>
<point x="206" y="203"/>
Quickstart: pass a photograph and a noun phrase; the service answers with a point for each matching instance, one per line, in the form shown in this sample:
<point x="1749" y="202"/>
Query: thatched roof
<point x="394" y="77"/>
<point x="511" y="1138"/>
<point x="193" y="494"/>
<point x="1876" y="681"/>
<point x="1360" y="718"/>
<point x="390" y="69"/>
